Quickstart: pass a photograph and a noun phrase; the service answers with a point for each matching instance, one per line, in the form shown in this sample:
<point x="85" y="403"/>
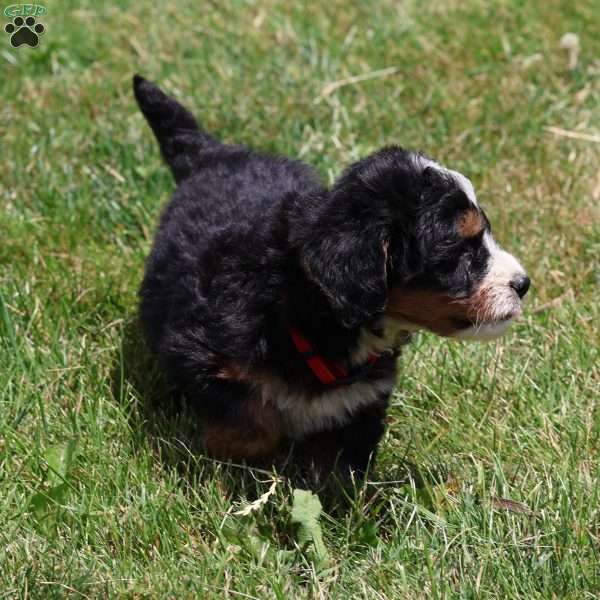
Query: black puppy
<point x="278" y="306"/>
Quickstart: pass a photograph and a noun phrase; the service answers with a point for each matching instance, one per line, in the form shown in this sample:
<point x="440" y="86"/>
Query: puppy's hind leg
<point x="249" y="433"/>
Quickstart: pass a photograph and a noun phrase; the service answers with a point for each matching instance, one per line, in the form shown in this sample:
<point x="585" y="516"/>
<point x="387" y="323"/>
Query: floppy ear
<point x="350" y="269"/>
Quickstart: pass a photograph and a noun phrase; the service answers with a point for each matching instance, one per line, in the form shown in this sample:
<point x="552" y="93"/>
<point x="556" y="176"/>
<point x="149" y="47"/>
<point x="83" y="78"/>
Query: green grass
<point x="100" y="497"/>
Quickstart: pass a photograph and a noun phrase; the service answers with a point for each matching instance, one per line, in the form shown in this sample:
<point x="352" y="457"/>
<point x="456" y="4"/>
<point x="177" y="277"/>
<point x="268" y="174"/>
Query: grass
<point x="100" y="497"/>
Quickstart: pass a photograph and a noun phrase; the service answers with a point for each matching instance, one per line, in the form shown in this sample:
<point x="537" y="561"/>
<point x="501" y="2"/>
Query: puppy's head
<point x="400" y="235"/>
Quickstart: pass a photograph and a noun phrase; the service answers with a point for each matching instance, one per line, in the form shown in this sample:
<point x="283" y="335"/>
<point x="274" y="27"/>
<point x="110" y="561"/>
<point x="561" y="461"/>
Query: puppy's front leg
<point x="349" y="448"/>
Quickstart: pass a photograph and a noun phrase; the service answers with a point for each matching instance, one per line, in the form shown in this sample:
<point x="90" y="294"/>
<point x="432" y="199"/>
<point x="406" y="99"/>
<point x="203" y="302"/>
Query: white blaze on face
<point x="499" y="301"/>
<point x="501" y="304"/>
<point x="504" y="267"/>
<point x="463" y="182"/>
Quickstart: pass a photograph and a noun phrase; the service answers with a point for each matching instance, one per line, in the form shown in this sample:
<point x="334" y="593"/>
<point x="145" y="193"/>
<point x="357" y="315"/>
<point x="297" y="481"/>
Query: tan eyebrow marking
<point x="470" y="223"/>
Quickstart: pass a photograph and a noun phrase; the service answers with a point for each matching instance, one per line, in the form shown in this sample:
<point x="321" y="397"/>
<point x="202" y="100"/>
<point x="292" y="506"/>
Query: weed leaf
<point x="59" y="460"/>
<point x="46" y="502"/>
<point x="306" y="510"/>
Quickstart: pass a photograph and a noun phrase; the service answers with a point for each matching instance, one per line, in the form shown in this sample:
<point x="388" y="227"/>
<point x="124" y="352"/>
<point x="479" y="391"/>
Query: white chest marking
<point x="302" y="414"/>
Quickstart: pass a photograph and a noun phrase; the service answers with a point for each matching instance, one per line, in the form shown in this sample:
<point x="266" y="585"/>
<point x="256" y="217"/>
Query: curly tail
<point x="180" y="138"/>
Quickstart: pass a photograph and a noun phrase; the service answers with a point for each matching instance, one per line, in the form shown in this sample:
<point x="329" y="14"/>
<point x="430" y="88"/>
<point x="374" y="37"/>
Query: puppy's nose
<point x="520" y="284"/>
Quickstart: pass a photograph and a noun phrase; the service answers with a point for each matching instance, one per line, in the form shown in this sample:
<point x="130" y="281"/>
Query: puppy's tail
<point x="181" y="139"/>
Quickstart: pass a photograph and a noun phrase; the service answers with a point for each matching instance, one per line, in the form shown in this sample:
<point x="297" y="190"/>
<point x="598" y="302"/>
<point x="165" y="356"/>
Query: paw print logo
<point x="24" y="31"/>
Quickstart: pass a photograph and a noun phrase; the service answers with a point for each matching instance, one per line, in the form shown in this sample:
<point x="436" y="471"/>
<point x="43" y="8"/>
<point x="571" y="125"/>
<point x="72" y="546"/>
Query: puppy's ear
<point x="350" y="269"/>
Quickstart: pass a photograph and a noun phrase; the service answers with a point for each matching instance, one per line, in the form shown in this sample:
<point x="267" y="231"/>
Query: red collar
<point x="327" y="372"/>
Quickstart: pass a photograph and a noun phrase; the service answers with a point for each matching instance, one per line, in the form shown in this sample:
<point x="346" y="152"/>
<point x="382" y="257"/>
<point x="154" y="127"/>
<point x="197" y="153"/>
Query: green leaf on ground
<point x="306" y="510"/>
<point x="46" y="502"/>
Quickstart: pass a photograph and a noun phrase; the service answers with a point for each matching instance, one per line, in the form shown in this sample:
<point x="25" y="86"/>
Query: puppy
<point x="278" y="305"/>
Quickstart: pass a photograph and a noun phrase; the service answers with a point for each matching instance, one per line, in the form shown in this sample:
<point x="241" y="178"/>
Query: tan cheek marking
<point x="470" y="223"/>
<point x="434" y="311"/>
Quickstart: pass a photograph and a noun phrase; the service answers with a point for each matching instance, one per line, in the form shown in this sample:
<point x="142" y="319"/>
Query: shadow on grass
<point x="161" y="417"/>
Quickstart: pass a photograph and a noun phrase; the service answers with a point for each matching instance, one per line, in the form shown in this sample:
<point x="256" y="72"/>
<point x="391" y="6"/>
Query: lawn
<point x="104" y="494"/>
